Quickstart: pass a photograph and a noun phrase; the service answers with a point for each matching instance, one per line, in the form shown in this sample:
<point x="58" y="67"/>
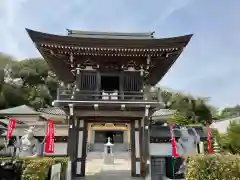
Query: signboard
<point x="11" y="126"/>
<point x="56" y="172"/>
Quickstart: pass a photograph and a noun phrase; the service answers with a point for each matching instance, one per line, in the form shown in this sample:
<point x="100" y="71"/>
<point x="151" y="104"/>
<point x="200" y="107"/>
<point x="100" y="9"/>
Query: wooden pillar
<point x="142" y="146"/>
<point x="133" y="156"/>
<point x="72" y="137"/>
<point x="89" y="137"/>
<point x="135" y="148"/>
<point x="146" y="133"/>
<point x="81" y="148"/>
<point x="129" y="135"/>
<point x="71" y="127"/>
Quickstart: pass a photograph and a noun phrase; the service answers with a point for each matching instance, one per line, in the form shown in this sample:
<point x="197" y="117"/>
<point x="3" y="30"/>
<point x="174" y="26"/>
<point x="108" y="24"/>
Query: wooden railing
<point x="83" y="95"/>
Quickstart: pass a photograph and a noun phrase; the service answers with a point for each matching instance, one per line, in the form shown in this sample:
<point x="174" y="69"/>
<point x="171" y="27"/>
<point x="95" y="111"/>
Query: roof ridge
<point x="80" y="32"/>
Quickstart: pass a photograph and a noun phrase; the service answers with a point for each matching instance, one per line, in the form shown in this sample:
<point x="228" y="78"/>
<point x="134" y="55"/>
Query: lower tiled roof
<point x="53" y="111"/>
<point x="163" y="112"/>
<point x="158" y="131"/>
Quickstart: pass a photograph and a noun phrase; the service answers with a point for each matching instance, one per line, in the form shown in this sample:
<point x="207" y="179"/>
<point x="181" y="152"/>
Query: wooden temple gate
<point x="108" y="76"/>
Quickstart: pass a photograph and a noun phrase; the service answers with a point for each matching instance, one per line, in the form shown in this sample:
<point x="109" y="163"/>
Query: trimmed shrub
<point x="214" y="167"/>
<point x="38" y="168"/>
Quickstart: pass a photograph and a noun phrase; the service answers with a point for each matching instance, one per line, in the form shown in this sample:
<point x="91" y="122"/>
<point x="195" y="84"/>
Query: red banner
<point x="11" y="126"/>
<point x="174" y="144"/>
<point x="49" y="144"/>
<point x="209" y="138"/>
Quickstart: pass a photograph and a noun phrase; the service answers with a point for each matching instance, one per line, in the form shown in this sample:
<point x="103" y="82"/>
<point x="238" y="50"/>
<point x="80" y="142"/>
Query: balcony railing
<point x="83" y="95"/>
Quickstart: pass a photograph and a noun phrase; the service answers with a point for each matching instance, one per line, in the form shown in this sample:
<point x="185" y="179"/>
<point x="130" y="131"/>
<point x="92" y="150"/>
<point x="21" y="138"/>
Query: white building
<point x="222" y="125"/>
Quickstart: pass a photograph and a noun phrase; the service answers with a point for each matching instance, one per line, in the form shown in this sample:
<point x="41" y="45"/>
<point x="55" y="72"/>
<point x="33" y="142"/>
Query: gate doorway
<point x="89" y="162"/>
<point x="119" y="135"/>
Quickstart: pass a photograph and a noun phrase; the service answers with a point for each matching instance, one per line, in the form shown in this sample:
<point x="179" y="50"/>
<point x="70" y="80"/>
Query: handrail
<point x="106" y="95"/>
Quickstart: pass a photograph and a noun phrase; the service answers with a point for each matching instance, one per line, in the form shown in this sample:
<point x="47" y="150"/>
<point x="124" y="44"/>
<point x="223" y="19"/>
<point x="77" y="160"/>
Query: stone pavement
<point x="97" y="170"/>
<point x="120" y="170"/>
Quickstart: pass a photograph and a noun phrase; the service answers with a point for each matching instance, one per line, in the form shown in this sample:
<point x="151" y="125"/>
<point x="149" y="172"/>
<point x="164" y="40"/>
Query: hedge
<point x="213" y="167"/>
<point x="38" y="168"/>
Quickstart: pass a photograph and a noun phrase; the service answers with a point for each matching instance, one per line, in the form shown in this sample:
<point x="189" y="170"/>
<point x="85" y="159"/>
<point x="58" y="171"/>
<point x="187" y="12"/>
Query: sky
<point x="209" y="65"/>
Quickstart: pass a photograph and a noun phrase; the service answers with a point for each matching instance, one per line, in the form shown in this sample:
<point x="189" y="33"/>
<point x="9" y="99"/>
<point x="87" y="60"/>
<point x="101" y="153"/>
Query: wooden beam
<point x="97" y="113"/>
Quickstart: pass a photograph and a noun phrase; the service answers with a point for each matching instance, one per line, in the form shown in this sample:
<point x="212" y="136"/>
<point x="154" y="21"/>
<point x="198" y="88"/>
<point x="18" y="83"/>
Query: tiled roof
<point x="3" y="127"/>
<point x="163" y="112"/>
<point x="53" y="111"/>
<point x="157" y="131"/>
<point x="19" y="110"/>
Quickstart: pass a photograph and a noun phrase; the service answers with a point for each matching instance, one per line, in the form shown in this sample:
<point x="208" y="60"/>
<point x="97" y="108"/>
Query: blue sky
<point x="209" y="66"/>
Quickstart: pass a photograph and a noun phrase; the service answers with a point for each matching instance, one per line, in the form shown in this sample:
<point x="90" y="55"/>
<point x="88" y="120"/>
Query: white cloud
<point x="9" y="11"/>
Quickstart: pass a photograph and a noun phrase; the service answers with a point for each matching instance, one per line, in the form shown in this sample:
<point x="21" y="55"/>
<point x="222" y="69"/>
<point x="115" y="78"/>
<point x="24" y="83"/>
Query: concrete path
<point x="120" y="170"/>
<point x="97" y="170"/>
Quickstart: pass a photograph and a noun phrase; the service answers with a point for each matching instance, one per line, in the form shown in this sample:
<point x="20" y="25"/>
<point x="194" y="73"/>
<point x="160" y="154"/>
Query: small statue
<point x="28" y="145"/>
<point x="186" y="146"/>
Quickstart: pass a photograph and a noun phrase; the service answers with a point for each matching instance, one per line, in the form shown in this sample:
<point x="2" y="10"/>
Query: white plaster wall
<point x="125" y="137"/>
<point x="160" y="149"/>
<point x="137" y="148"/>
<point x="27" y="119"/>
<point x="59" y="149"/>
<point x="80" y="138"/>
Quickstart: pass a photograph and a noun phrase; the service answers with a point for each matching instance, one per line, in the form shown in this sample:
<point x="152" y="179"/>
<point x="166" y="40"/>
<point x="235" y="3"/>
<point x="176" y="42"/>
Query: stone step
<point x="117" y="155"/>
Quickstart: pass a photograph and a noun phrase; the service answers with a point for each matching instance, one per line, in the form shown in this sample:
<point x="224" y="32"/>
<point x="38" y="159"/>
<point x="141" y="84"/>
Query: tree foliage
<point x="38" y="87"/>
<point x="230" y="141"/>
<point x="179" y="118"/>
<point x="192" y="110"/>
<point x="231" y="112"/>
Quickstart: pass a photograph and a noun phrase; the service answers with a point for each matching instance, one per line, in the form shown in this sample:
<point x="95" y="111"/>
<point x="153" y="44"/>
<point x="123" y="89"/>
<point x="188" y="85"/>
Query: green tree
<point x="179" y="118"/>
<point x="231" y="111"/>
<point x="31" y="71"/>
<point x="4" y="61"/>
<point x="194" y="109"/>
<point x="230" y="141"/>
<point x="202" y="111"/>
<point x="39" y="86"/>
<point x="166" y="97"/>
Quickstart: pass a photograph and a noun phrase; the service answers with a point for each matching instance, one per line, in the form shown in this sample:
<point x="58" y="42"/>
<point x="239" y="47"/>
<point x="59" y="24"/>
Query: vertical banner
<point x="49" y="145"/>
<point x="174" y="144"/>
<point x="11" y="126"/>
<point x="209" y="138"/>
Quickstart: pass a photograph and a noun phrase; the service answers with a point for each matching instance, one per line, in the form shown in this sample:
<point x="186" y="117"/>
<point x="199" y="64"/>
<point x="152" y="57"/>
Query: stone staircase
<point x="118" y="147"/>
<point x="117" y="155"/>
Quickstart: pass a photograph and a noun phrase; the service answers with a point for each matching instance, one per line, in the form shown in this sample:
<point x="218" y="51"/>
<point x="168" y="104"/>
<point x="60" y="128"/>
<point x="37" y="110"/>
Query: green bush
<point x="214" y="167"/>
<point x="38" y="168"/>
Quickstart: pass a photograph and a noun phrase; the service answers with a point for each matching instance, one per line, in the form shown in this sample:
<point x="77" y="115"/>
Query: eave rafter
<point x="97" y="51"/>
<point x="70" y="59"/>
